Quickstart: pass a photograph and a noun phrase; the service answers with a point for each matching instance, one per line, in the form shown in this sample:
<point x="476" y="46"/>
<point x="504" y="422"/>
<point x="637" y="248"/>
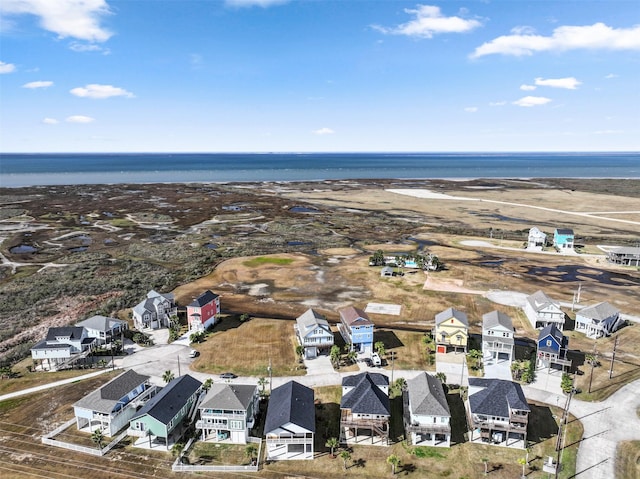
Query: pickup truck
<point x="375" y="360"/>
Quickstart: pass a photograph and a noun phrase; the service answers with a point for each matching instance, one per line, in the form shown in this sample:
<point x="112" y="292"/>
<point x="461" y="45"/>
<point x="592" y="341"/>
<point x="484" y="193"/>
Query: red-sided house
<point x="201" y="313"/>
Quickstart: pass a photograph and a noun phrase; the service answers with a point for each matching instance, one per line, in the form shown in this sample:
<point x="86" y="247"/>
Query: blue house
<point x="563" y="239"/>
<point x="552" y="347"/>
<point x="356" y="329"/>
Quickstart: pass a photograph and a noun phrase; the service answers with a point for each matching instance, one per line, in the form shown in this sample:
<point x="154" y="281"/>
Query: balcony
<point x="137" y="432"/>
<point x="302" y="439"/>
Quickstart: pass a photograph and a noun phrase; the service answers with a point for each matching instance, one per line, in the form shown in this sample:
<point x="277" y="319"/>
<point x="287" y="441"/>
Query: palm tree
<point x="486" y="463"/>
<point x="394" y="461"/>
<point x="334" y="354"/>
<point x="345" y="455"/>
<point x="442" y="377"/>
<point x="207" y="384"/>
<point x="523" y="462"/>
<point x="332" y="443"/>
<point x="251" y="451"/>
<point x="97" y="437"/>
<point x="352" y="356"/>
<point x="168" y="376"/>
<point x="379" y="347"/>
<point x="476" y="356"/>
<point x="299" y="351"/>
<point x="262" y="382"/>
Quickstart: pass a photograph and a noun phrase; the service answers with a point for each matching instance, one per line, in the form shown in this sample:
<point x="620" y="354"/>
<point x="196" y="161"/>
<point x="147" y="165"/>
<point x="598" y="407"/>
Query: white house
<point x="290" y="424"/>
<point x="154" y="312"/>
<point x="542" y="311"/>
<point x="60" y="346"/>
<point x="313" y="333"/>
<point x="103" y="328"/>
<point x="497" y="337"/>
<point x="536" y="240"/>
<point x="426" y="412"/>
<point x="228" y="413"/>
<point x="110" y="407"/>
<point x="598" y="320"/>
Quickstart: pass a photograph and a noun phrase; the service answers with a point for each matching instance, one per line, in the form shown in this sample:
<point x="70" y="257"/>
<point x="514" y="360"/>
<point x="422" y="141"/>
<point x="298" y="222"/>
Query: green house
<point x="161" y="419"/>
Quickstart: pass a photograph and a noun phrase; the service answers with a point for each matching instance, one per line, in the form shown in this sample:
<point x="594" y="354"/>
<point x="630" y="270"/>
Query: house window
<point x="235" y="425"/>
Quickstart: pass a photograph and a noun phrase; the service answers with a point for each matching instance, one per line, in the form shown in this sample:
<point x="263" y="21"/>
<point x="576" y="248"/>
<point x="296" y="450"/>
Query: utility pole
<point x="613" y="356"/>
<point x="593" y="363"/>
<point x="179" y="366"/>
<point x="563" y="428"/>
<point x="270" y="377"/>
<point x="393" y="357"/>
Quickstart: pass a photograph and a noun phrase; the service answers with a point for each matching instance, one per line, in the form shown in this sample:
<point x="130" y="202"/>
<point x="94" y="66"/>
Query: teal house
<point x="563" y="239"/>
<point x="160" y="420"/>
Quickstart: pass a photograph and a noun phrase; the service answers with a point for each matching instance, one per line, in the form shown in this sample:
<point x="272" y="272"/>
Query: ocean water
<point x="64" y="169"/>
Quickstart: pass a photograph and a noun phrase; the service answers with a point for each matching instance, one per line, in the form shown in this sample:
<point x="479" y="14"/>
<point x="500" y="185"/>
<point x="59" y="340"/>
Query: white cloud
<point x="523" y="30"/>
<point x="610" y="76"/>
<point x="7" y="67"/>
<point x="254" y="3"/>
<point x="592" y="37"/>
<point x="96" y="91"/>
<point x="570" y="83"/>
<point x="88" y="47"/>
<point x="497" y="103"/>
<point x="323" y="131"/>
<point x="527" y="87"/>
<point x="532" y="101"/>
<point x="51" y="121"/>
<point x="429" y="21"/>
<point x="38" y="84"/>
<point x="67" y="18"/>
<point x="471" y="109"/>
<point x="608" y="132"/>
<point x="79" y="119"/>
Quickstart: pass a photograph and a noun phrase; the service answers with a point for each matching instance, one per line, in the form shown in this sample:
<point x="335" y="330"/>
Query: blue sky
<point x="314" y="75"/>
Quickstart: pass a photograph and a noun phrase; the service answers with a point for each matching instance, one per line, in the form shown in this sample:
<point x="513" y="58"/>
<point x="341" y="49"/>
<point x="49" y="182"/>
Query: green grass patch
<point x="9" y="404"/>
<point x="262" y="260"/>
<point x="121" y="222"/>
<point x="426" y="451"/>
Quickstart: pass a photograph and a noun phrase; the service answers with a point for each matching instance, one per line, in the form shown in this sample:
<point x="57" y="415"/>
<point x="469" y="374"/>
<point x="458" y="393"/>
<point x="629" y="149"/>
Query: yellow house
<point x="452" y="330"/>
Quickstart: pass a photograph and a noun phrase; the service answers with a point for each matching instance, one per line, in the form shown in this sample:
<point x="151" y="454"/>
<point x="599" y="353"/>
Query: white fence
<point x="49" y="440"/>
<point x="179" y="467"/>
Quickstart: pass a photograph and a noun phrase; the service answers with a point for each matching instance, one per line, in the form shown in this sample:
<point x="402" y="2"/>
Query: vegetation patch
<point x="426" y="451"/>
<point x="263" y="260"/>
<point x="628" y="459"/>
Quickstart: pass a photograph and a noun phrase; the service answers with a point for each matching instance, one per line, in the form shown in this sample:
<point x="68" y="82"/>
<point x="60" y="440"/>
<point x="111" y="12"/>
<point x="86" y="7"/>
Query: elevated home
<point x="290" y="424"/>
<point x="154" y="312"/>
<point x="228" y="412"/>
<point x="542" y="311"/>
<point x="61" y="347"/>
<point x="201" y="312"/>
<point x="110" y="408"/>
<point x="497" y="337"/>
<point x="426" y="412"/>
<point x="103" y="329"/>
<point x="313" y="333"/>
<point x="552" y="348"/>
<point x="497" y="412"/>
<point x="364" y="408"/>
<point x="452" y="330"/>
<point x="162" y="419"/>
<point x="626" y="256"/>
<point x="598" y="320"/>
<point x="563" y="239"/>
<point x="356" y="329"/>
<point x="536" y="239"/>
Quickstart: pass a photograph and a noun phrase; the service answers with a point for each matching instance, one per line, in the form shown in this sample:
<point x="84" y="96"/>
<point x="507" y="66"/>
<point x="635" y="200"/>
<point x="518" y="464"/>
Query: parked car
<point x="228" y="376"/>
<point x="375" y="360"/>
<point x="193" y="353"/>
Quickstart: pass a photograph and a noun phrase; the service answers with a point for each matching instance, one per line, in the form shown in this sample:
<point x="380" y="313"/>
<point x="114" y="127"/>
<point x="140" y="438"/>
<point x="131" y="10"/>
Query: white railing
<point x="178" y="466"/>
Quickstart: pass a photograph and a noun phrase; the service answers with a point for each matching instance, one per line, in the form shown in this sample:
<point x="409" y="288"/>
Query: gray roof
<point x="426" y="396"/>
<point x="351" y="315"/>
<point x="366" y="397"/>
<point x="291" y="403"/>
<point x="311" y="319"/>
<point x="540" y="301"/>
<point x="236" y="397"/>
<point x="564" y="231"/>
<point x="599" y="311"/>
<point x="105" y="398"/>
<point x="626" y="250"/>
<point x="73" y="332"/>
<point x="497" y="397"/>
<point x="164" y="405"/>
<point x="452" y="313"/>
<point x="150" y="303"/>
<point x="100" y="323"/>
<point x="154" y="294"/>
<point x="496" y="318"/>
<point x="203" y="299"/>
<point x="46" y="345"/>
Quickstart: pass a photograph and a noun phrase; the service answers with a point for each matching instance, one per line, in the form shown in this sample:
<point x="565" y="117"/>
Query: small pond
<point x="23" y="249"/>
<point x="302" y="209"/>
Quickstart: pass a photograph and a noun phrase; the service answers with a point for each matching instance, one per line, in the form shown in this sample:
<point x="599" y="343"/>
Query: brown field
<point x="628" y="460"/>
